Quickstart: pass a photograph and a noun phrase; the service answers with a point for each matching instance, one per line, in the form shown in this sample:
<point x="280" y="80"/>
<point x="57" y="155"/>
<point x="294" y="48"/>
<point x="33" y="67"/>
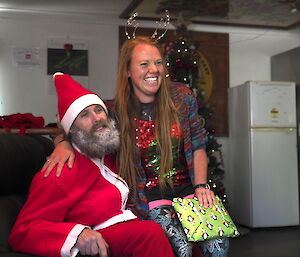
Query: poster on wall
<point x="68" y="56"/>
<point x="27" y="57"/>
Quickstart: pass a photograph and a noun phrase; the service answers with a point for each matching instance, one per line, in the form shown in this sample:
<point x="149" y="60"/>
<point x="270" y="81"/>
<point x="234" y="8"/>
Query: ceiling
<point x="277" y="14"/>
<point x="90" y="7"/>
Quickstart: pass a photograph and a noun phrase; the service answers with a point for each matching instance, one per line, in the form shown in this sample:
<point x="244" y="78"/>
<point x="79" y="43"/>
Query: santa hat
<point x="72" y="99"/>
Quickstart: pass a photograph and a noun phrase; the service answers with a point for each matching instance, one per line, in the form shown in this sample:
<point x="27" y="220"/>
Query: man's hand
<point x="62" y="153"/>
<point x="92" y="243"/>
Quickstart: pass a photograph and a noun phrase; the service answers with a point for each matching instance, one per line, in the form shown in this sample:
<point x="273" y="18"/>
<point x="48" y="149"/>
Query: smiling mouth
<point x="151" y="79"/>
<point x="99" y="129"/>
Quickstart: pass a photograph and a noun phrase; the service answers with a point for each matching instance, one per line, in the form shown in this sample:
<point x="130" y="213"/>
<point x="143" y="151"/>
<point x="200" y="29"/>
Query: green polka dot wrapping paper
<point x="200" y="223"/>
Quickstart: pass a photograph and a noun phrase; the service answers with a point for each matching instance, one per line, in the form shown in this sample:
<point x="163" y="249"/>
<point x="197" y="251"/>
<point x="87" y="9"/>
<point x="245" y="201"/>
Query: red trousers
<point x="137" y="238"/>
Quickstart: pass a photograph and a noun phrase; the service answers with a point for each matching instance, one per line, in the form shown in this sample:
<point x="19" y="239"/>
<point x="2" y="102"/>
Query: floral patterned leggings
<point x="165" y="215"/>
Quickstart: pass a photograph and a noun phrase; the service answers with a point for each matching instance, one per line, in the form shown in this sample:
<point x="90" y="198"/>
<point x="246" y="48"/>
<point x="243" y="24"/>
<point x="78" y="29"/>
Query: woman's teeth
<point x="151" y="79"/>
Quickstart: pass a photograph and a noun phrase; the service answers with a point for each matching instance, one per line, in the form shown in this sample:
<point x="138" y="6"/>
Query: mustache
<point x="99" y="124"/>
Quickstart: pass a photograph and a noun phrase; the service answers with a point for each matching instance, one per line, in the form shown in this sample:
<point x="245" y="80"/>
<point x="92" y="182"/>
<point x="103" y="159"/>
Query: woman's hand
<point x="205" y="196"/>
<point x="92" y="243"/>
<point x="62" y="153"/>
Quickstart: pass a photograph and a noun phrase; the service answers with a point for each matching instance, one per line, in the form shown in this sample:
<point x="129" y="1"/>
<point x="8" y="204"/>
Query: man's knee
<point x="152" y="228"/>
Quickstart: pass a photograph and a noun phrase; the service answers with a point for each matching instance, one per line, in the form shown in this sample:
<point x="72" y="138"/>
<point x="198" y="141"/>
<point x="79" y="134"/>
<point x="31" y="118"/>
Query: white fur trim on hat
<point x="77" y="106"/>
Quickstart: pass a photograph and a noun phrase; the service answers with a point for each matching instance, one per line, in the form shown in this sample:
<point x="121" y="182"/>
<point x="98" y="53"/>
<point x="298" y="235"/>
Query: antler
<point x="131" y="22"/>
<point x="163" y="23"/>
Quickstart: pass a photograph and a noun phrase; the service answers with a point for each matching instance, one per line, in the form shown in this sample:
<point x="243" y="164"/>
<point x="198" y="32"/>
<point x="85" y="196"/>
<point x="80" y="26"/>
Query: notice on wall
<point x="27" y="57"/>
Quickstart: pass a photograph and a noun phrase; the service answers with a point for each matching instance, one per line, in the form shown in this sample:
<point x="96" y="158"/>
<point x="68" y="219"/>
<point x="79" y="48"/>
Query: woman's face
<point x="146" y="71"/>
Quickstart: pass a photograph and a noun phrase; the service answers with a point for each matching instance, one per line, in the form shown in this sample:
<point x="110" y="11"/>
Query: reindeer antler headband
<point x="163" y="23"/>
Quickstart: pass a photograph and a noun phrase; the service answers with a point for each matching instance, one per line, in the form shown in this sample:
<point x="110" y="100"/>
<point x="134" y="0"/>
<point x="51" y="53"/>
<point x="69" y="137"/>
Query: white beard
<point x="96" y="145"/>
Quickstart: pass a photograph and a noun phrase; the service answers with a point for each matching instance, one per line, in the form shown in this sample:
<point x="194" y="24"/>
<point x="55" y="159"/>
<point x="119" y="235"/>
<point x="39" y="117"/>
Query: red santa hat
<point x="72" y="99"/>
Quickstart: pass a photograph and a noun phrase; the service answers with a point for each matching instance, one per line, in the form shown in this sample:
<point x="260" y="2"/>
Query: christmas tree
<point x="183" y="66"/>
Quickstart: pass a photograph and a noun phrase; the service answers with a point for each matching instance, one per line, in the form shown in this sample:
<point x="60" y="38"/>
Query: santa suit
<point x="88" y="195"/>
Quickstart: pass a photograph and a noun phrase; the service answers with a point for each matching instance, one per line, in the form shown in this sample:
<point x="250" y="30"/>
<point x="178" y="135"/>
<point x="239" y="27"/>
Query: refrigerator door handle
<point x="273" y="129"/>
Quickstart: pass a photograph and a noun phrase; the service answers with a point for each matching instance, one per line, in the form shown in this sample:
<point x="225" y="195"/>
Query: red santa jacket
<point x="58" y="209"/>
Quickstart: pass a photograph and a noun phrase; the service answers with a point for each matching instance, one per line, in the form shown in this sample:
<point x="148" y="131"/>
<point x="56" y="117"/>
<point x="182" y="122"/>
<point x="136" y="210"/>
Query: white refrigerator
<point x="263" y="154"/>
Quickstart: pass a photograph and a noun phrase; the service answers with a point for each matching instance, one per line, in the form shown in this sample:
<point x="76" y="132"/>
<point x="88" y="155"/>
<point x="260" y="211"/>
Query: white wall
<point x="25" y="89"/>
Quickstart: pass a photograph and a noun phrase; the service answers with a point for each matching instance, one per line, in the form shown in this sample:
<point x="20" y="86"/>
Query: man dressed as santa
<point x="83" y="212"/>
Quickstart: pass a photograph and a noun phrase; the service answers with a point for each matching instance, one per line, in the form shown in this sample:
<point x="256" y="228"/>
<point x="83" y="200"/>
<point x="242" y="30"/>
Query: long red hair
<point x="127" y="108"/>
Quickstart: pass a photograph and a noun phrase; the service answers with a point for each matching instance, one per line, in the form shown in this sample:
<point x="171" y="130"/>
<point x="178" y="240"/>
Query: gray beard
<point x="96" y="145"/>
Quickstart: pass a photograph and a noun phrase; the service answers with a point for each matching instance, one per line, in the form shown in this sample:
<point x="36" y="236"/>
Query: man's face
<point x="94" y="134"/>
<point x="88" y="119"/>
